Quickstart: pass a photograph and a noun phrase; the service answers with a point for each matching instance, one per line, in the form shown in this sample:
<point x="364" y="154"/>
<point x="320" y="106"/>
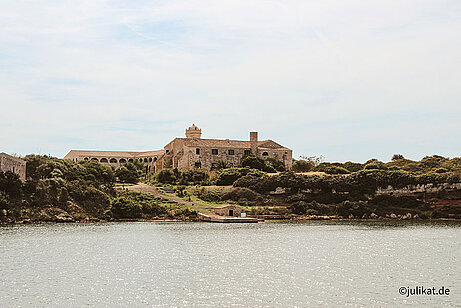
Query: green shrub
<point x="210" y="195"/>
<point x="302" y="165"/>
<point x="246" y="181"/>
<point x="253" y="162"/>
<point x="10" y="184"/>
<point x="126" y="175"/>
<point x="374" y="164"/>
<point x="194" y="176"/>
<point x="228" y="176"/>
<point x="336" y="170"/>
<point x="353" y="167"/>
<point x="123" y="207"/>
<point x="309" y="208"/>
<point x="276" y="164"/>
<point x="166" y="176"/>
<point x="241" y="193"/>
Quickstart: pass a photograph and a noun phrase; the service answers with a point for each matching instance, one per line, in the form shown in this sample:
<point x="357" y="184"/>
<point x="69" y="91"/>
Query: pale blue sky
<point x="346" y="79"/>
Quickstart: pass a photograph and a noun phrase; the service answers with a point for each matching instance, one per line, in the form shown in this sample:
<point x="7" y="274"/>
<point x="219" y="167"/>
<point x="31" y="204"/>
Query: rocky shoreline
<point x="60" y="220"/>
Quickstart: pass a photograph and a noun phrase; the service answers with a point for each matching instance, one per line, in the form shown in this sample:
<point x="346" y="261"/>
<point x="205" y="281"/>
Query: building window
<point x="155" y="158"/>
<point x="214" y="151"/>
<point x="265" y="154"/>
<point x="214" y="166"/>
<point x="198" y="165"/>
<point x="197" y="151"/>
<point x="14" y="169"/>
<point x="246" y="152"/>
<point x="150" y="159"/>
<point x="231" y="152"/>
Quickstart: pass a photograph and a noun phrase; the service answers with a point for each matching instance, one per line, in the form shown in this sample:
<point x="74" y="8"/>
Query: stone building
<point x="13" y="164"/>
<point x="192" y="152"/>
<point x="228" y="210"/>
<point x="117" y="158"/>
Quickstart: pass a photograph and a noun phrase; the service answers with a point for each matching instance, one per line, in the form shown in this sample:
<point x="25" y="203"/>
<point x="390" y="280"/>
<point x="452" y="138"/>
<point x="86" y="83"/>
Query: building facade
<point x="118" y="158"/>
<point x="193" y="152"/>
<point x="13" y="164"/>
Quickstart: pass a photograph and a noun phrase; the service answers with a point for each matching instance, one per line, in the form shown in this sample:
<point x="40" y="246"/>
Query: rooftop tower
<point x="193" y="132"/>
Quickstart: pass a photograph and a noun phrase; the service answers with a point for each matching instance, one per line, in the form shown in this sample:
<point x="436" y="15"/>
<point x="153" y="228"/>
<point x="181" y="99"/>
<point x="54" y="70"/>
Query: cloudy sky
<point x="346" y="79"/>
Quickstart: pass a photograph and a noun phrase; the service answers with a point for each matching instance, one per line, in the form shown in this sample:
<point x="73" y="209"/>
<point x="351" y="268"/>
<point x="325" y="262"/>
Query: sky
<point x="346" y="79"/>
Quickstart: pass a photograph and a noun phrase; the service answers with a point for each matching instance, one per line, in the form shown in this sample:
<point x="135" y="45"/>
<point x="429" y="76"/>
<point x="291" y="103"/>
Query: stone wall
<point x="424" y="188"/>
<point x="13" y="164"/>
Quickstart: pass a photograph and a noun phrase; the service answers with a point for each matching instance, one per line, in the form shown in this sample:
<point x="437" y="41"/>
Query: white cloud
<point x="319" y="77"/>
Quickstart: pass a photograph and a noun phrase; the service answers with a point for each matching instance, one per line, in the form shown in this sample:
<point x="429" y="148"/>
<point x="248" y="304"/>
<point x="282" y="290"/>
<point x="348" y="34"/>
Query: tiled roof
<point x="125" y="154"/>
<point x="229" y="143"/>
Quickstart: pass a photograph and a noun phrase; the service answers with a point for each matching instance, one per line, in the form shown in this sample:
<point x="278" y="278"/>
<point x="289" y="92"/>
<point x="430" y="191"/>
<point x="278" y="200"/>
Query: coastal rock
<point x="393" y="216"/>
<point x="4" y="212"/>
<point x="63" y="218"/>
<point x="351" y="216"/>
<point x="407" y="216"/>
<point x="416" y="216"/>
<point x="373" y="216"/>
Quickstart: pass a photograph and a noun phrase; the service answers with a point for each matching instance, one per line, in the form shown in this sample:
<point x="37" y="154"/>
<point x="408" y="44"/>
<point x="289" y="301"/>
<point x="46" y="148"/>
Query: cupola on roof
<point x="193" y="132"/>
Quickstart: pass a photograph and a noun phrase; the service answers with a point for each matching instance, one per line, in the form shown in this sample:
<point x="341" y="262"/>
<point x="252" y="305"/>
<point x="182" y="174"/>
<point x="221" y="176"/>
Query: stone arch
<point x="86" y="158"/>
<point x="150" y="159"/>
<point x="122" y="160"/>
<point x="155" y="159"/>
<point x="145" y="159"/>
<point x="130" y="160"/>
<point x="103" y="160"/>
<point x="94" y="159"/>
<point x="113" y="160"/>
<point x="265" y="154"/>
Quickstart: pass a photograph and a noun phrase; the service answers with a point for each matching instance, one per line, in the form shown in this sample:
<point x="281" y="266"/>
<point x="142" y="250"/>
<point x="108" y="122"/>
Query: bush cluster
<point x="54" y="182"/>
<point x="175" y="176"/>
<point x="231" y="175"/>
<point x="130" y="204"/>
<point x="270" y="165"/>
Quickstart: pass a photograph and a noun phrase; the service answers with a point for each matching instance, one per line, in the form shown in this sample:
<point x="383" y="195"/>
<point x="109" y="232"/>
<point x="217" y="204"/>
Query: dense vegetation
<point x="62" y="190"/>
<point x="429" y="164"/>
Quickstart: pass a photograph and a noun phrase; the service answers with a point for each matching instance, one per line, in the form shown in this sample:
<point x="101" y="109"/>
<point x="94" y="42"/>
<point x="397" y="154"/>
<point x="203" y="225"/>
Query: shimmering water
<point x="309" y="264"/>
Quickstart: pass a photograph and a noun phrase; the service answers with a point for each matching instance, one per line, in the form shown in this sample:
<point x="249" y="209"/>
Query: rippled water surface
<point x="272" y="264"/>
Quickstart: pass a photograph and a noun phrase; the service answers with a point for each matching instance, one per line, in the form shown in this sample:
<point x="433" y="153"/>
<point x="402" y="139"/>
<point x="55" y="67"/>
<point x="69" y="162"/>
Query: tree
<point x="125" y="208"/>
<point x="253" y="162"/>
<point x="397" y="157"/>
<point x="166" y="176"/>
<point x="276" y="164"/>
<point x="222" y="164"/>
<point x="10" y="184"/>
<point x="126" y="175"/>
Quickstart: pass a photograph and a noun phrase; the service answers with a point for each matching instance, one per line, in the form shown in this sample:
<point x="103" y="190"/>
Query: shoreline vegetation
<point x="58" y="190"/>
